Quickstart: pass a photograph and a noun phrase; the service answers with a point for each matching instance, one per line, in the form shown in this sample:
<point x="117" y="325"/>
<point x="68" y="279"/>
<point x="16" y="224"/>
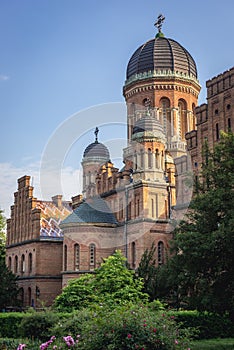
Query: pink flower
<point x="176" y="341"/>
<point x="155" y="330"/>
<point x="129" y="336"/>
<point x="69" y="341"/>
<point x="21" y="346"/>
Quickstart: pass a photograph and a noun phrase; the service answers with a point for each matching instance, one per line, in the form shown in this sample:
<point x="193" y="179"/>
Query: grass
<point x="213" y="344"/>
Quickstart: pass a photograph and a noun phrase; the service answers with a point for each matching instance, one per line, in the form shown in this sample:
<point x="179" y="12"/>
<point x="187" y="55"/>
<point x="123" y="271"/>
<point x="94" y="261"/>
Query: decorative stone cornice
<point x="161" y="74"/>
<point x="176" y="85"/>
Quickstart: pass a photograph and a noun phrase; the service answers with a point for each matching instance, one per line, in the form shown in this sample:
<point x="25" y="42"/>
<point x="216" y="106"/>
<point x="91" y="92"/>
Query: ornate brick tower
<point x="163" y="75"/>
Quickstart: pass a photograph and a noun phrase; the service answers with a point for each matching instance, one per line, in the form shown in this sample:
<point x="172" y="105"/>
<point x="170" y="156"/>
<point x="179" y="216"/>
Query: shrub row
<point x="209" y="325"/>
<point x="37" y="325"/>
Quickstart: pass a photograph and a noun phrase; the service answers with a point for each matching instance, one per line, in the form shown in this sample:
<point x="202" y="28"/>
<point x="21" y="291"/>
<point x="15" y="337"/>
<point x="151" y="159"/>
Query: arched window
<point x="135" y="161"/>
<point x="76" y="257"/>
<point x="183" y="118"/>
<point x="30" y="262"/>
<point x="89" y="177"/>
<point x="157" y="159"/>
<point x="9" y="263"/>
<point x="21" y="296"/>
<point x="65" y="258"/>
<point x="165" y="115"/>
<point x="129" y="210"/>
<point x="162" y="161"/>
<point x="133" y="251"/>
<point x="92" y="255"/>
<point x="120" y="209"/>
<point x="16" y="264"/>
<point x="142" y="159"/>
<point x="160" y="253"/>
<point x="30" y="297"/>
<point x="149" y="158"/>
<point x="23" y="263"/>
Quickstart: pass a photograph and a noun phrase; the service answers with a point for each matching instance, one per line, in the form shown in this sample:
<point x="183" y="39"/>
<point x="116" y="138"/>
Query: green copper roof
<point x="94" y="210"/>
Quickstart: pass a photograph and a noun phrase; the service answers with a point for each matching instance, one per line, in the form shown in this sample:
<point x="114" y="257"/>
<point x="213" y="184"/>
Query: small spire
<point x="96" y="134"/>
<point x="159" y="24"/>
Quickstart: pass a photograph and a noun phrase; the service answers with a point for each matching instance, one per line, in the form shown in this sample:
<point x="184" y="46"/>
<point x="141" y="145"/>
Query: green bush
<point x="112" y="284"/>
<point x="12" y="344"/>
<point x="72" y="324"/>
<point x="37" y="325"/>
<point x="9" y="323"/>
<point x="125" y="327"/>
<point x="209" y="325"/>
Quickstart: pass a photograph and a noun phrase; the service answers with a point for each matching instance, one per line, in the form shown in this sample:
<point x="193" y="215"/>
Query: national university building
<point x="50" y="242"/>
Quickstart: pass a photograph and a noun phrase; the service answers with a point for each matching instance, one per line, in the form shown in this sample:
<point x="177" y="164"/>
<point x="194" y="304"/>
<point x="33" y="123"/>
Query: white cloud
<point x="4" y="77"/>
<point x="70" y="183"/>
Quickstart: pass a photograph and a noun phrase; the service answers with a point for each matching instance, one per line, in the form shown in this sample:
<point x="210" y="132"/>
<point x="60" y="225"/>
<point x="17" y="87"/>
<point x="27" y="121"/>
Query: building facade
<point x="132" y="207"/>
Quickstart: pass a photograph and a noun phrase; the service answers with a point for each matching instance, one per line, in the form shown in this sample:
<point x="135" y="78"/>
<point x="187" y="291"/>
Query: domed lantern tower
<point x="163" y="75"/>
<point x="94" y="156"/>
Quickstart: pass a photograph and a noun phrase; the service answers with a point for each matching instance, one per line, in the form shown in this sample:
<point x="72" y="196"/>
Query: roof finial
<point x="159" y="23"/>
<point x="96" y="134"/>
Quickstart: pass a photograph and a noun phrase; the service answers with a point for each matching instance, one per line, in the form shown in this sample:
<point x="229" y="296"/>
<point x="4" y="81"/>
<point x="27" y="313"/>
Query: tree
<point x="8" y="286"/>
<point x="112" y="284"/>
<point x="200" y="274"/>
<point x="147" y="271"/>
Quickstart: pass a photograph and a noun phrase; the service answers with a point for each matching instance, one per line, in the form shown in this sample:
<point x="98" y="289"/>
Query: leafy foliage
<point x="113" y="284"/>
<point x="37" y="324"/>
<point x="124" y="327"/>
<point x="147" y="271"/>
<point x="8" y="286"/>
<point x="200" y="274"/>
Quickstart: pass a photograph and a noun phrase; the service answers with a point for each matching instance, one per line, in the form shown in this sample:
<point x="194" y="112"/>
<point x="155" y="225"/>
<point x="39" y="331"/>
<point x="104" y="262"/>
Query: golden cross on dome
<point x="159" y="22"/>
<point x="96" y="134"/>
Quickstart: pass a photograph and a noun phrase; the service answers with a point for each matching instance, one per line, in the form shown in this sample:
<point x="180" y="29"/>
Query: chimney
<point x="57" y="200"/>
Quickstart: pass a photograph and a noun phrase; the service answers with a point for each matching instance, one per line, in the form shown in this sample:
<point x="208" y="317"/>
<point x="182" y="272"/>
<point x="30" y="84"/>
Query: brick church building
<point x="50" y="242"/>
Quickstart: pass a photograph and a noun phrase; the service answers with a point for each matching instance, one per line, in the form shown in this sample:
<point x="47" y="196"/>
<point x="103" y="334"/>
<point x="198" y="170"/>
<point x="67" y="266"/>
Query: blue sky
<point x="59" y="57"/>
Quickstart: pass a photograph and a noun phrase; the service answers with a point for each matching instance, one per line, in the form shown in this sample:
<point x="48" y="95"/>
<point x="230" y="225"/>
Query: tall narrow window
<point x="16" y="264"/>
<point x="142" y="159"/>
<point x="121" y="211"/>
<point x="183" y="118"/>
<point x="229" y="124"/>
<point x="21" y="296"/>
<point x="152" y="207"/>
<point x="65" y="258"/>
<point x="217" y="131"/>
<point x="149" y="158"/>
<point x="29" y="297"/>
<point x="23" y="263"/>
<point x="76" y="257"/>
<point x="135" y="161"/>
<point x="30" y="262"/>
<point x="9" y="263"/>
<point x="92" y="255"/>
<point x="157" y="159"/>
<point x="129" y="211"/>
<point x="137" y="207"/>
<point x="160" y="253"/>
<point x="165" y="114"/>
<point x="133" y="255"/>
